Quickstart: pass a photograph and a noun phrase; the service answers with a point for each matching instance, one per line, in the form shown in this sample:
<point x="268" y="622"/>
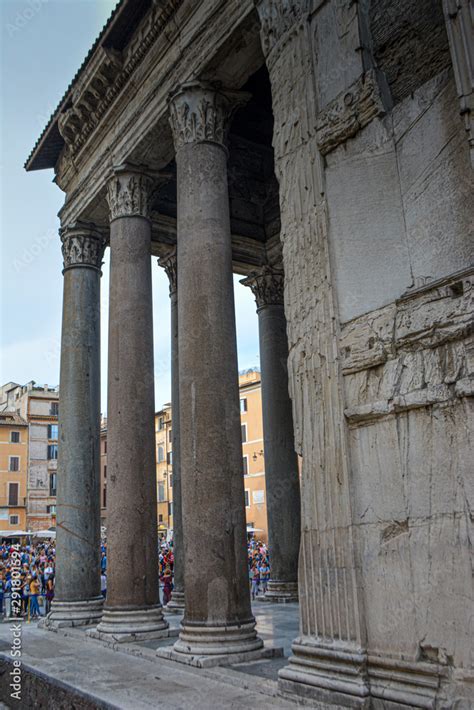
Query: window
<point x="170" y="436"/>
<point x="14" y="520"/>
<point x="52" y="484"/>
<point x="247" y="499"/>
<point x="161" y="424"/>
<point x="53" y="431"/>
<point x="171" y="480"/>
<point x="246" y="465"/>
<point x="161" y="492"/>
<point x="105" y="446"/>
<point x="105" y="471"/>
<point x="14" y="463"/>
<point x="160" y="518"/>
<point x="161" y="454"/>
<point x="169" y="458"/>
<point x="51" y="509"/>
<point x="258" y="497"/>
<point x="54" y="409"/>
<point x="170" y="509"/>
<point x="15" y="437"/>
<point x="243" y="405"/>
<point x="13" y="493"/>
<point x="104" y="497"/>
<point x="244" y="432"/>
<point x="52" y="452"/>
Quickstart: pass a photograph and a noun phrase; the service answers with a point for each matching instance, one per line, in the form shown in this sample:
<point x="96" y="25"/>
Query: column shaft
<point x="176" y="603"/>
<point x="218" y="618"/>
<point x="177" y="597"/>
<point x="281" y="464"/>
<point x="78" y="599"/>
<point x="132" y="606"/>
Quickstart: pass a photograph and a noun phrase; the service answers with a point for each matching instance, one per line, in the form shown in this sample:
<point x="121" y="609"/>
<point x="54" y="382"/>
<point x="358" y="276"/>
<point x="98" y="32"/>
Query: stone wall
<point x="377" y="241"/>
<point x="409" y="42"/>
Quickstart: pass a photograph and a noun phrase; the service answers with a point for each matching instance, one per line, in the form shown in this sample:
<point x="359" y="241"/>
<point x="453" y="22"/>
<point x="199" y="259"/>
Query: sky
<point x="43" y="43"/>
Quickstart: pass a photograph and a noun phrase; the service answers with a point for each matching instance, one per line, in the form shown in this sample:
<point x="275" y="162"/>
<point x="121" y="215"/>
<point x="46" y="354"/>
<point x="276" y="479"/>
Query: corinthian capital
<point x="267" y="286"/>
<point x="200" y="113"/>
<point x="82" y="246"/>
<point x="169" y="264"/>
<point x="128" y="191"/>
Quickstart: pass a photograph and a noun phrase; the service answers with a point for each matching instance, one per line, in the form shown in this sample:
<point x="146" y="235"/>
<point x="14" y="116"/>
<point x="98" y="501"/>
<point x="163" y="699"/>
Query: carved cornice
<point x="278" y="20"/>
<point x="201" y="113"/>
<point x="83" y="245"/>
<point x="105" y="81"/>
<point x="128" y="192"/>
<point x="349" y="112"/>
<point x="267" y="286"/>
<point x="169" y="263"/>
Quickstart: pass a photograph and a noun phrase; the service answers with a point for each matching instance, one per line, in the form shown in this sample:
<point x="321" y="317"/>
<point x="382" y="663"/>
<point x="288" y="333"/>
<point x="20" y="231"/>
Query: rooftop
<point x="11" y="419"/>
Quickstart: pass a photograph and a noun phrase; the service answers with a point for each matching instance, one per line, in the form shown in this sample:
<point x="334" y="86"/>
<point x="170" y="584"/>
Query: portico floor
<point x="68" y="669"/>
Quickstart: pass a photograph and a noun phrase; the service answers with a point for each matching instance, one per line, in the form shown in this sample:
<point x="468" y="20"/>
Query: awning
<point x="45" y="533"/>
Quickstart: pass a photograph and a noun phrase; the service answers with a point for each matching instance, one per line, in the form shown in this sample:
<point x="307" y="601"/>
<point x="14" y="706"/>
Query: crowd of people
<point x="34" y="568"/>
<point x="259" y="567"/>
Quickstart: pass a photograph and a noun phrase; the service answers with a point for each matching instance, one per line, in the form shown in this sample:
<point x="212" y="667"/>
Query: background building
<point x="13" y="471"/>
<point x="39" y="407"/>
<point x="164" y="470"/>
<point x="252" y="454"/>
<point x="103" y="471"/>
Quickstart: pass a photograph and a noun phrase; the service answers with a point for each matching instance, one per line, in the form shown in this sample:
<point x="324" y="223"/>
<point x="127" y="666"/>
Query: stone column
<point x="132" y="608"/>
<point x="218" y="622"/>
<point x="176" y="604"/>
<point x="78" y="600"/>
<point x="281" y="463"/>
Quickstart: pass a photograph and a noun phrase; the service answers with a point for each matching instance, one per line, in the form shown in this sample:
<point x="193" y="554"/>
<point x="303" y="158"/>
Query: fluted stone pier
<point x="133" y="609"/>
<point x="218" y="626"/>
<point x="78" y="600"/>
<point x="176" y="603"/>
<point x="281" y="463"/>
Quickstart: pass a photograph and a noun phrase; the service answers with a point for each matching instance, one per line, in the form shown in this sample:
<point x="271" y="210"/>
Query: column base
<point x="176" y="603"/>
<point x="334" y="675"/>
<point x="75" y="613"/>
<point x="280" y="592"/>
<point x="207" y="646"/>
<point x="127" y="625"/>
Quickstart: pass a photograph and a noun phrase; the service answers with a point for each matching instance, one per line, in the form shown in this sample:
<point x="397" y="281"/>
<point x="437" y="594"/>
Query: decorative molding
<point x="169" y="263"/>
<point x="109" y="74"/>
<point x="82" y="246"/>
<point x="278" y="19"/>
<point x="349" y="112"/>
<point x="459" y="24"/>
<point x="90" y="101"/>
<point x="201" y="113"/>
<point x="128" y="192"/>
<point x="267" y="286"/>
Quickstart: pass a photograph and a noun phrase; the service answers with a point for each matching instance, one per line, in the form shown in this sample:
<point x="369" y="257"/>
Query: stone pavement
<point x="131" y="676"/>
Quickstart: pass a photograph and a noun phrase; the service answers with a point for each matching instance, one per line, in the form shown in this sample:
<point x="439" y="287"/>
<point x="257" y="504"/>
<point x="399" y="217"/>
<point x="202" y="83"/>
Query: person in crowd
<point x="167" y="580"/>
<point x="49" y="592"/>
<point x="34" y="593"/>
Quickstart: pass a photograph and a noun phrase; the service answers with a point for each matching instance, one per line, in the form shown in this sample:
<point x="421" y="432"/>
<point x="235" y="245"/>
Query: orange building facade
<point x="13" y="471"/>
